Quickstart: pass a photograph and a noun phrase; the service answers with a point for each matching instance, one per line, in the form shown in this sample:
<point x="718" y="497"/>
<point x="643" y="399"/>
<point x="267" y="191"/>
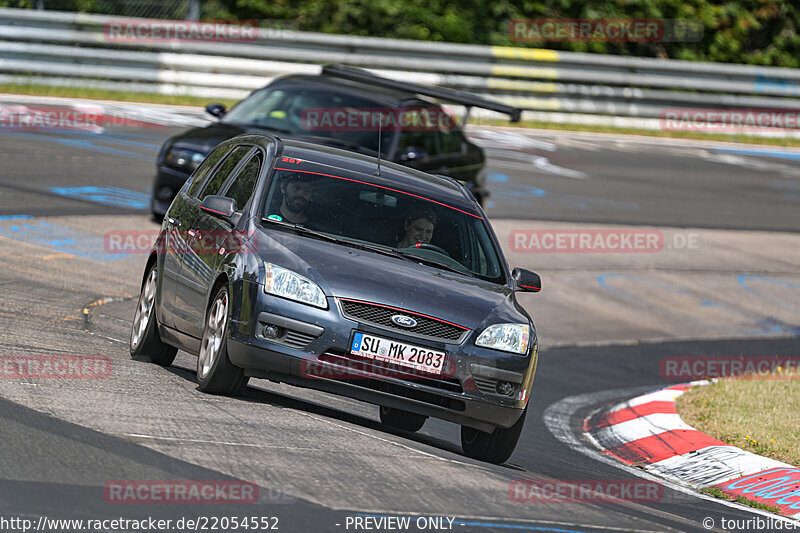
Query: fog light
<point x="165" y="193"/>
<point x="271" y="332"/>
<point x="505" y="388"/>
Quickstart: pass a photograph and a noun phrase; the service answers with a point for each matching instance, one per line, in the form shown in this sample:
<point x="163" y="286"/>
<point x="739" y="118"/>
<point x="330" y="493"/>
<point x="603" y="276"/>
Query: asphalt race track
<point x="724" y="281"/>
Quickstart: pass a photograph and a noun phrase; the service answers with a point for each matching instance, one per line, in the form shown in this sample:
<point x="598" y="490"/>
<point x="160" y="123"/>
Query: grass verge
<point x="102" y="94"/>
<point x="127" y="96"/>
<point x="760" y="414"/>
<point x="741" y="499"/>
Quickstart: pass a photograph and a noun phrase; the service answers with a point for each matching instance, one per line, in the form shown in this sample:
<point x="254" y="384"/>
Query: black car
<point x="328" y="269"/>
<point x="286" y="107"/>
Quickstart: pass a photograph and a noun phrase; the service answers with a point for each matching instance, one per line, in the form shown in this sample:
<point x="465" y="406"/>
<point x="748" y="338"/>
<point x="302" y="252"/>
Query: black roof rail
<point x="443" y="93"/>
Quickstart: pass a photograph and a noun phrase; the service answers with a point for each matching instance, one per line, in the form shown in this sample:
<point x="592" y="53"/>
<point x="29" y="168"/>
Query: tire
<point x="399" y="419"/>
<point x="215" y="372"/>
<point x="145" y="343"/>
<point x="495" y="447"/>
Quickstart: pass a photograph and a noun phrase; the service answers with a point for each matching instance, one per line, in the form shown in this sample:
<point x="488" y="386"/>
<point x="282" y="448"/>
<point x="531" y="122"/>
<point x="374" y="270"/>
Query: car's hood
<point x="347" y="272"/>
<point x="204" y="139"/>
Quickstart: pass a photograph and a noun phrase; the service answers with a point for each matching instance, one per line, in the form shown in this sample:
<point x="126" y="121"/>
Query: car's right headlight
<point x="287" y="284"/>
<point x="506" y="337"/>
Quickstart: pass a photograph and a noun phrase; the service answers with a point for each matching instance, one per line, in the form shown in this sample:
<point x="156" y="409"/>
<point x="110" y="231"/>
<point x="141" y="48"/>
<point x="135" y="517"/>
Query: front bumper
<point x="313" y="352"/>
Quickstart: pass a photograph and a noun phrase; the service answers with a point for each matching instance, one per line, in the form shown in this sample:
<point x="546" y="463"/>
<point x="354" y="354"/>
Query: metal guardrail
<point x="60" y="48"/>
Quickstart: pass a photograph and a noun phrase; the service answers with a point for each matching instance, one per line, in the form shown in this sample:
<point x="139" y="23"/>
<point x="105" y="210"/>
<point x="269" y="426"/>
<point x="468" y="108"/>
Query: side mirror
<point x="527" y="281"/>
<point x="413" y="153"/>
<point x="216" y="110"/>
<point x="219" y="206"/>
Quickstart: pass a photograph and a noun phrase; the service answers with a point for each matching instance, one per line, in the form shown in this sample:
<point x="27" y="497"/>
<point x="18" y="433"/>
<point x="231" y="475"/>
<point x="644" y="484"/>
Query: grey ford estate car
<point x="324" y="268"/>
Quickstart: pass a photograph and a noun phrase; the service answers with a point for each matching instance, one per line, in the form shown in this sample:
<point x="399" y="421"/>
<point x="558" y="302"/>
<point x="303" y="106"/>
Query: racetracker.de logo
<point x="55" y="366"/>
<point x="86" y="118"/>
<point x="197" y="242"/>
<point x="586" y="241"/>
<point x="590" y="30"/>
<point x="171" y="492"/>
<point x="153" y="31"/>
<point x="695" y="368"/>
<point x="730" y="120"/>
<point x="584" y="490"/>
<point x="374" y="119"/>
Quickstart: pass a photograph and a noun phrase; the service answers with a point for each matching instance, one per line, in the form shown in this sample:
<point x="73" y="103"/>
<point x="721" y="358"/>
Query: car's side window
<point x="418" y="140"/>
<point x="451" y="140"/>
<point x="223" y="171"/>
<point x="244" y="184"/>
<point x="207" y="166"/>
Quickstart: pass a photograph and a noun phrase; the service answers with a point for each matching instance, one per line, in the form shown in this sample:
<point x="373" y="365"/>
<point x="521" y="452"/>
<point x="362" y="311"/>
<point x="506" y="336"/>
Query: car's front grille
<point x="351" y="365"/>
<point x="381" y="316"/>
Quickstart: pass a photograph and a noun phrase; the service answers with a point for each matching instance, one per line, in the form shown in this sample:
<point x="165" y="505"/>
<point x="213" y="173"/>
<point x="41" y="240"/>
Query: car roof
<point x="320" y="159"/>
<point x="381" y="95"/>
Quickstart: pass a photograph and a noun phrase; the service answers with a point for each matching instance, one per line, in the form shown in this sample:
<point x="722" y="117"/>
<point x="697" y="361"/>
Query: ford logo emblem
<point x="403" y="320"/>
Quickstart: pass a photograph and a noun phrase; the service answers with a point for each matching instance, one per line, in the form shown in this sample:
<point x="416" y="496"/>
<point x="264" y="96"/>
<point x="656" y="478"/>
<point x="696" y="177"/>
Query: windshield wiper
<point x="391" y="252"/>
<point x="338" y="240"/>
<point x="263" y="127"/>
<point x="432" y="262"/>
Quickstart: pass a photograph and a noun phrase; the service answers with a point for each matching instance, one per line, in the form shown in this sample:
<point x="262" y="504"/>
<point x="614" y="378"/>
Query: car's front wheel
<point x="215" y="372"/>
<point x="145" y="342"/>
<point x="495" y="447"/>
<point x="400" y="419"/>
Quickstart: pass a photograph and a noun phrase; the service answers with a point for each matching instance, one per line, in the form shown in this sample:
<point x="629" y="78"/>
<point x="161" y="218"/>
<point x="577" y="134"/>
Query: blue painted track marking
<point x="519" y="194"/>
<point x="779" y="154"/>
<point x="765" y="326"/>
<point x="108" y="137"/>
<point x="14" y="217"/>
<point x="78" y="143"/>
<point x="745" y="280"/>
<point x="60" y="239"/>
<point x="106" y="195"/>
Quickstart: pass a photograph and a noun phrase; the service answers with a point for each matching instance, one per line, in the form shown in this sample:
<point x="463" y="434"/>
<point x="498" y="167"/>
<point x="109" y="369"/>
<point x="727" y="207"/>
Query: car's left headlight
<point x="506" y="337"/>
<point x="287" y="284"/>
<point x="183" y="158"/>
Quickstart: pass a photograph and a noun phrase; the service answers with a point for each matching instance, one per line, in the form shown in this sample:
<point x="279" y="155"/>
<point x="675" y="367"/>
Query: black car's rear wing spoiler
<point x="441" y="93"/>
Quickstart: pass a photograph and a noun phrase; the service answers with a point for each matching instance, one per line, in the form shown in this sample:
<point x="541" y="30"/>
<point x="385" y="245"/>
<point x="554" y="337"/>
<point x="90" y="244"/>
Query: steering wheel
<point x="428" y="246"/>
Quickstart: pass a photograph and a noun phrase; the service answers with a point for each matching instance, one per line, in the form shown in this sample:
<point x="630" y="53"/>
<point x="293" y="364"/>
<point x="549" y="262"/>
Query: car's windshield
<point x="408" y="226"/>
<point x="299" y="111"/>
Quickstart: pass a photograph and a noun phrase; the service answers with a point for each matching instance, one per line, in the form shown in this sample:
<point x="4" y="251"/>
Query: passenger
<point x="419" y="226"/>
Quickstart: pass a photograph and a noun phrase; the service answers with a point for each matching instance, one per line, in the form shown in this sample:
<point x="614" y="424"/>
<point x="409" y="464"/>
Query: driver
<point x="297" y="190"/>
<point x="419" y="226"/>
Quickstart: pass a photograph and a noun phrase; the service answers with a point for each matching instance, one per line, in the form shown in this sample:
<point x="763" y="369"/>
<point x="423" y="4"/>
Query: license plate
<point x="400" y="353"/>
